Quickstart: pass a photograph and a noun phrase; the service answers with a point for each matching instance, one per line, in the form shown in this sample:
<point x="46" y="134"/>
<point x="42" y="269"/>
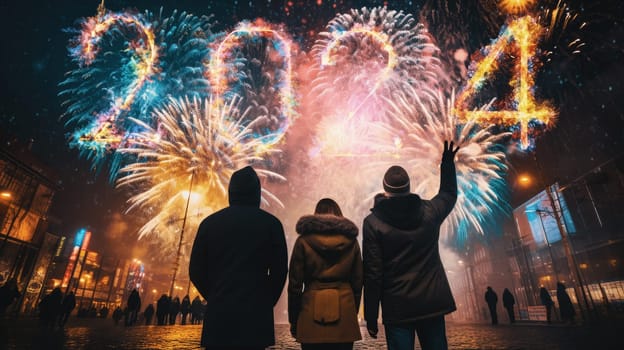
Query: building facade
<point x="26" y="192"/>
<point x="575" y="236"/>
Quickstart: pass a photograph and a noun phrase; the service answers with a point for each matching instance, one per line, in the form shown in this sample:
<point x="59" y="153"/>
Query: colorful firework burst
<point x="127" y="64"/>
<point x="366" y="53"/>
<point x="189" y="158"/>
<point x="415" y="140"/>
<point x="254" y="61"/>
<point x="521" y="112"/>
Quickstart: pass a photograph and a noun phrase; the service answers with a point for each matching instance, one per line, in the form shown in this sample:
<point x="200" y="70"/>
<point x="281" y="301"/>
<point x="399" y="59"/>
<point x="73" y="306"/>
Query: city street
<point x="102" y="334"/>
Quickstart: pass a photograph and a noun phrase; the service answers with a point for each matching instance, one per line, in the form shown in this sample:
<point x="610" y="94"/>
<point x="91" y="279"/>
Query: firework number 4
<point x="519" y="39"/>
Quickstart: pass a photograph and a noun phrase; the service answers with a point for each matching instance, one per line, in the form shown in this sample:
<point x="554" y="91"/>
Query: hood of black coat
<point x="244" y="188"/>
<point x="327" y="234"/>
<point x="401" y="212"/>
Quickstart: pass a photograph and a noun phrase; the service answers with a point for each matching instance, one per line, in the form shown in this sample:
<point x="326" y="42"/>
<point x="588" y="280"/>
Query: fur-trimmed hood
<point x="326" y="225"/>
<point x="327" y="233"/>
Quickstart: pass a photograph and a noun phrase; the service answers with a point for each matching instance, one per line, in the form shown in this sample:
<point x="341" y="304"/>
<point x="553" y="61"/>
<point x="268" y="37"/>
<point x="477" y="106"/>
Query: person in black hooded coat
<point x="508" y="302"/>
<point x="162" y="310"/>
<point x="565" y="304"/>
<point x="402" y="265"/>
<point x="239" y="263"/>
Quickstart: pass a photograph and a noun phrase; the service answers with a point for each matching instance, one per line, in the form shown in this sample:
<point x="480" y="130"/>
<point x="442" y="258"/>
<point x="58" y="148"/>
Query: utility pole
<point x="176" y="264"/>
<point x="112" y="282"/>
<point x="572" y="264"/>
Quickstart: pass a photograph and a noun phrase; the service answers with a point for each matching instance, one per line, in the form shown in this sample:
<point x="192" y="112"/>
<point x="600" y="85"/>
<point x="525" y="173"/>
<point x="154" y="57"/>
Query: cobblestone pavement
<point x="102" y="334"/>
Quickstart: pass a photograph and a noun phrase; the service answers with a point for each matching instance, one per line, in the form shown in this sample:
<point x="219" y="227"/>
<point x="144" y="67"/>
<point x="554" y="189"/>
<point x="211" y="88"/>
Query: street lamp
<point x="176" y="264"/>
<point x="524" y="180"/>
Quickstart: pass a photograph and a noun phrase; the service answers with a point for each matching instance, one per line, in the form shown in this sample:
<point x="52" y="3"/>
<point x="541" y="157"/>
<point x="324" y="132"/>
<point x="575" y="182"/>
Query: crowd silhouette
<point x="239" y="265"/>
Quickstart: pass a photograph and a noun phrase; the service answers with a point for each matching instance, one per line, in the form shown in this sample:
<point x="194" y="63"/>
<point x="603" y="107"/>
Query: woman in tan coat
<point x="325" y="280"/>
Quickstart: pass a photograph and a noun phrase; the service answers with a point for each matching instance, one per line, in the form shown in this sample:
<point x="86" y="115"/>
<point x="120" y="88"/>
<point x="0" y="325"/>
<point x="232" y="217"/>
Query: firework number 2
<point x="520" y="40"/>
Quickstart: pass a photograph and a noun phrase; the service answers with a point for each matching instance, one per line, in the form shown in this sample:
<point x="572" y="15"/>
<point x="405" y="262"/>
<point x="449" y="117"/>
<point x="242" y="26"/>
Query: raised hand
<point x="449" y="153"/>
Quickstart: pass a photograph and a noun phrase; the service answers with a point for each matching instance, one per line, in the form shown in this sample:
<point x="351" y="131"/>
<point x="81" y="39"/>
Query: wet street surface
<point x="103" y="334"/>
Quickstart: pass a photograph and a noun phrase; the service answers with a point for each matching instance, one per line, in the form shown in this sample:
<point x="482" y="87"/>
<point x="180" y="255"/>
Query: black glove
<point x="372" y="329"/>
<point x="449" y="154"/>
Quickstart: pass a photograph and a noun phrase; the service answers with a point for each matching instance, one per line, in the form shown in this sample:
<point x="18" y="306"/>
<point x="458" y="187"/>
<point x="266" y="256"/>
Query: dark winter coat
<point x="174" y="309"/>
<point x="490" y="297"/>
<point x="326" y="260"/>
<point x="8" y="294"/>
<point x="545" y="297"/>
<point x="402" y="266"/>
<point x="69" y="303"/>
<point x="148" y="314"/>
<point x="185" y="308"/>
<point x="508" y="299"/>
<point x="239" y="265"/>
<point x="196" y="306"/>
<point x="50" y="306"/>
<point x="162" y="306"/>
<point x="134" y="301"/>
<point x="565" y="303"/>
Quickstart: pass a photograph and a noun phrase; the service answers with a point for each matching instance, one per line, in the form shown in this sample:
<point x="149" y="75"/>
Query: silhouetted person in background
<point x="134" y="306"/>
<point x="508" y="302"/>
<point x="50" y="308"/>
<point x="196" y="310"/>
<point x="185" y="308"/>
<point x="402" y="265"/>
<point x="92" y="311"/>
<point x="148" y="314"/>
<point x="162" y="309"/>
<point x="239" y="266"/>
<point x="325" y="280"/>
<point x="69" y="303"/>
<point x="566" y="309"/>
<point x="104" y="312"/>
<point x="547" y="302"/>
<point x="117" y="315"/>
<point x="492" y="299"/>
<point x="8" y="294"/>
<point x="174" y="310"/>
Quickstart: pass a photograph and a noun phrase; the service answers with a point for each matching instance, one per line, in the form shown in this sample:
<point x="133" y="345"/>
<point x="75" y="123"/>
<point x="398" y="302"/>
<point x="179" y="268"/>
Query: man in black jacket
<point x="492" y="299"/>
<point x="402" y="266"/>
<point x="239" y="265"/>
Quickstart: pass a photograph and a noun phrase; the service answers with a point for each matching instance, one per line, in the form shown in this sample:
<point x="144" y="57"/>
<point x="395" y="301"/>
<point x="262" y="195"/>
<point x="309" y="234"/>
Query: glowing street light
<point x="524" y="180"/>
<point x="6" y="195"/>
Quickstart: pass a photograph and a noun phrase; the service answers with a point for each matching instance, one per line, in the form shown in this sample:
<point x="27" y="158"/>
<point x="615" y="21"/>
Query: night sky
<point x="587" y="89"/>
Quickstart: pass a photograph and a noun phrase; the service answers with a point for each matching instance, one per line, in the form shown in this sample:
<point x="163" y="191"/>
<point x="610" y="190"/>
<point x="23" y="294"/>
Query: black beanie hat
<point x="396" y="182"/>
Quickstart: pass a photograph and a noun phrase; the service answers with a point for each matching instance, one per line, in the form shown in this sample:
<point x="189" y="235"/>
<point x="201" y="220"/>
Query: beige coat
<point x="325" y="280"/>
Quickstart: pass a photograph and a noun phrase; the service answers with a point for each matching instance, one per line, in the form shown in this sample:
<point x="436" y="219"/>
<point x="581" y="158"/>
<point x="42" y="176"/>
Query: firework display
<point x="524" y="33"/>
<point x="366" y="53"/>
<point x="128" y="63"/>
<point x="226" y="76"/>
<point x="195" y="146"/>
<point x="480" y="162"/>
<point x="180" y="108"/>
